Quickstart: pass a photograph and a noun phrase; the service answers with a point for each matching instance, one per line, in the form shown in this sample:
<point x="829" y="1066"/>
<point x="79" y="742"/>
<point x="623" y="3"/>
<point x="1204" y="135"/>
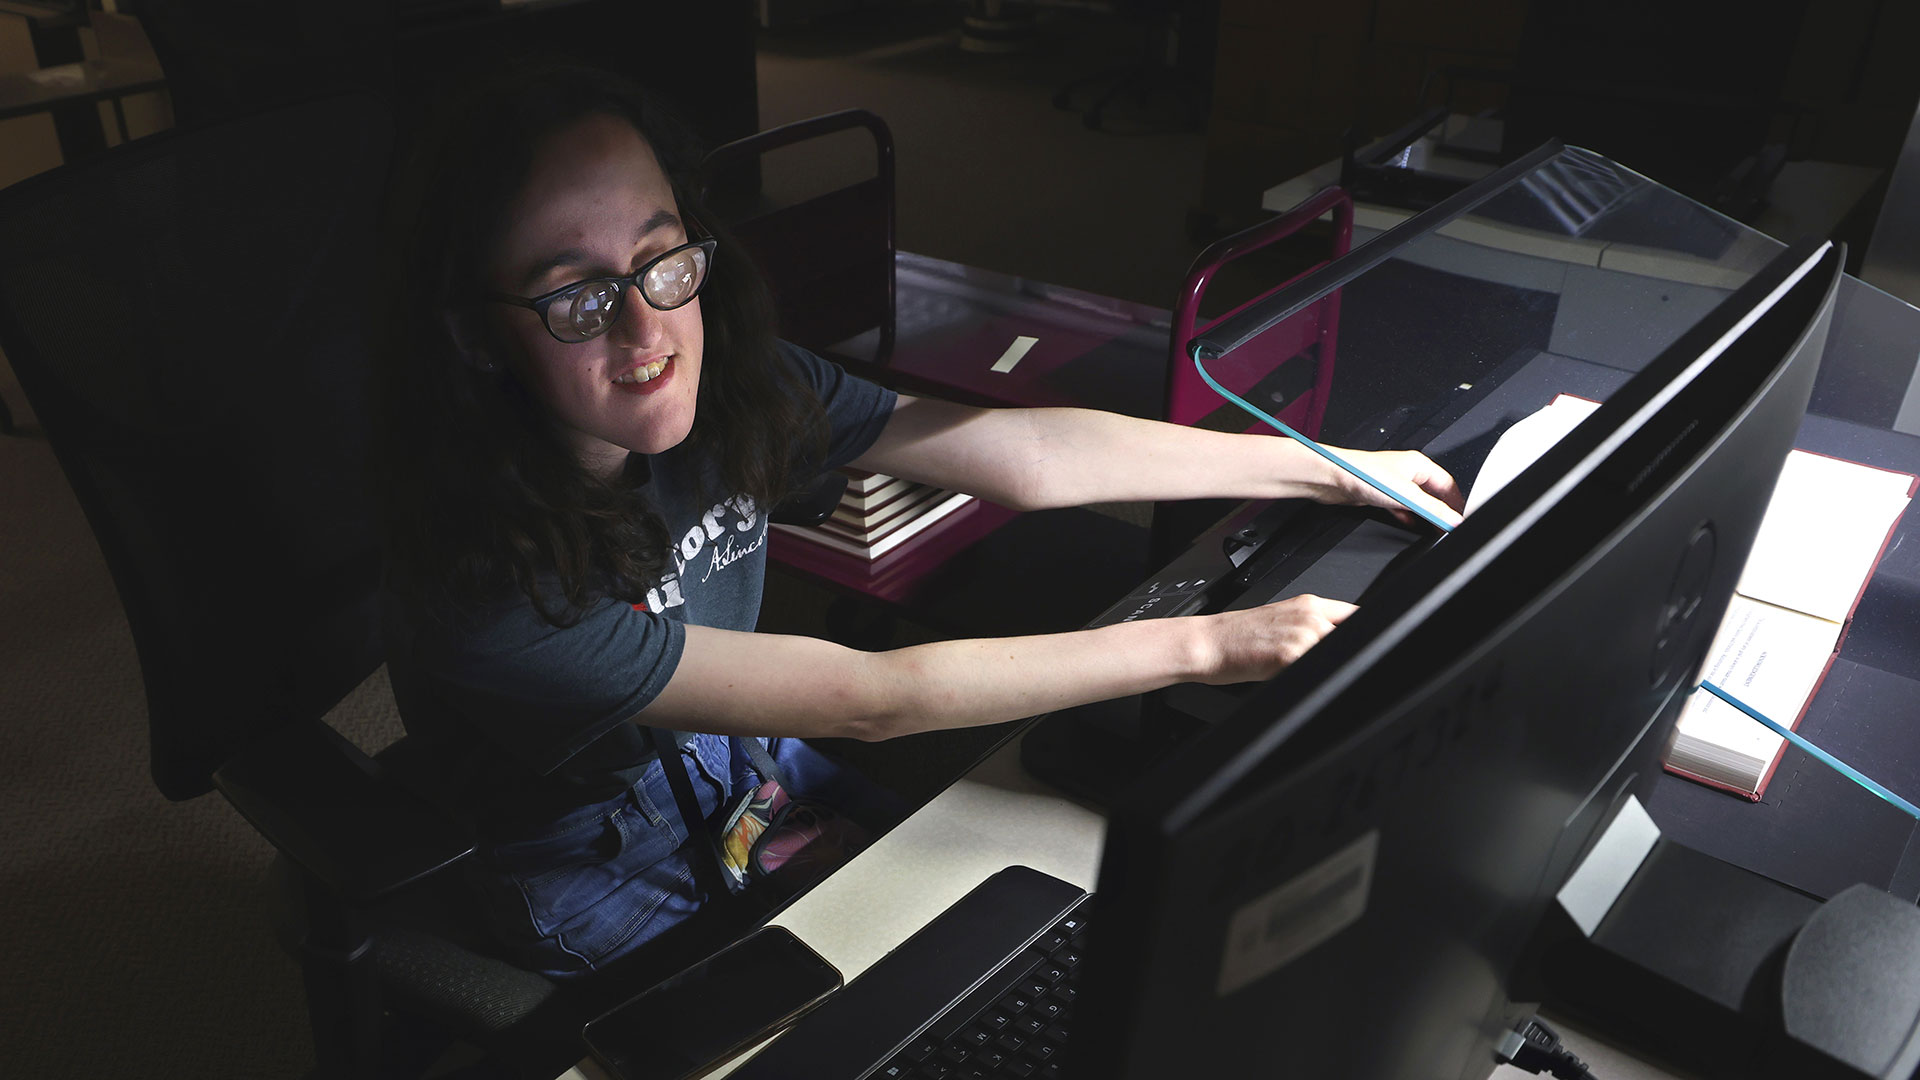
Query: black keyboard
<point x="985" y="990"/>
<point x="1017" y="1023"/>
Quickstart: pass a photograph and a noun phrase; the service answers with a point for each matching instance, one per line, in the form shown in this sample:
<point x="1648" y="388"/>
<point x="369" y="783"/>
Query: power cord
<point x="1536" y="1048"/>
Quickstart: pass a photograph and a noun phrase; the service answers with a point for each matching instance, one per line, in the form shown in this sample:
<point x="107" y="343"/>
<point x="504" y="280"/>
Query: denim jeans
<point x="581" y="892"/>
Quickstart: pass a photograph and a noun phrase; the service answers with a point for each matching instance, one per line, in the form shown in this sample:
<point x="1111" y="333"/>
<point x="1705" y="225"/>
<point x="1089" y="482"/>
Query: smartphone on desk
<point x="722" y="1005"/>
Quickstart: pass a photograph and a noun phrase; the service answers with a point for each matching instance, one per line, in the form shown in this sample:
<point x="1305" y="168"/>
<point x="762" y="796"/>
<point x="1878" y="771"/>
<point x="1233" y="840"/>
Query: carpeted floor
<point x="139" y="941"/>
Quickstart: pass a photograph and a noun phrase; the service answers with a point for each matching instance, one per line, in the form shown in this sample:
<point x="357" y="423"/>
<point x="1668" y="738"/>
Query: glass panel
<point x="1580" y="261"/>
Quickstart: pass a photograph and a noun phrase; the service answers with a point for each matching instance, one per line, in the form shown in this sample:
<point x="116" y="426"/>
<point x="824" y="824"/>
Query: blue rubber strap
<point x="1827" y="759"/>
<point x="1313" y="446"/>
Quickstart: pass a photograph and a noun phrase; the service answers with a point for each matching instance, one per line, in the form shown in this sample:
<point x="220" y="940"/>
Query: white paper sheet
<point x="1523" y="444"/>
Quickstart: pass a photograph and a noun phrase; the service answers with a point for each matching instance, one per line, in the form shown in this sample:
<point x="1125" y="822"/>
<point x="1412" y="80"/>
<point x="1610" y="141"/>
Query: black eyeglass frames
<point x="586" y="309"/>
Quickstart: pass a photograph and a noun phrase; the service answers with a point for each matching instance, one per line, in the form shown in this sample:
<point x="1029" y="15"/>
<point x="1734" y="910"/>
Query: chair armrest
<point x="339" y="815"/>
<point x="814" y="505"/>
<point x="812" y="127"/>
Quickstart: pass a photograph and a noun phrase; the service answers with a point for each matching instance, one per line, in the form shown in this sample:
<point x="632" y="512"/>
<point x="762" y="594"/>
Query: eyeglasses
<point x="586" y="309"/>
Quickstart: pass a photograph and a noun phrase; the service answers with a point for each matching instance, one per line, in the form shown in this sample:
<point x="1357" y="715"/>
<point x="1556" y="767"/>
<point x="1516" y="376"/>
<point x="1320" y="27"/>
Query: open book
<point x="1825" y="529"/>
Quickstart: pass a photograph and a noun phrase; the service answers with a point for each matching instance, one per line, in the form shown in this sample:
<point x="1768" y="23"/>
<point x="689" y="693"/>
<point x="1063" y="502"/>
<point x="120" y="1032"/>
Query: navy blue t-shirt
<point x="533" y="718"/>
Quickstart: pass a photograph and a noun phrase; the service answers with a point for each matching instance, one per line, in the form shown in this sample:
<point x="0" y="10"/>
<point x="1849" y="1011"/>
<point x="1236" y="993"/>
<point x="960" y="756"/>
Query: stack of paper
<point x="878" y="513"/>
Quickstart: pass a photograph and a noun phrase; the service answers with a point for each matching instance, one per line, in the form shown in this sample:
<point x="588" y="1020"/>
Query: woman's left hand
<point x="1409" y="472"/>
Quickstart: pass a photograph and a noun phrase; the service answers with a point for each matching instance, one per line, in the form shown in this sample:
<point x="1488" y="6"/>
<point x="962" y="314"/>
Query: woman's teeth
<point x="644" y="373"/>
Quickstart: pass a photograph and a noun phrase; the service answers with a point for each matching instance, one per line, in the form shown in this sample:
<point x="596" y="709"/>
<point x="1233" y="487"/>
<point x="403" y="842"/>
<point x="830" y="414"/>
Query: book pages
<point x="1524" y="443"/>
<point x="1822" y="533"/>
<point x="1769" y="657"/>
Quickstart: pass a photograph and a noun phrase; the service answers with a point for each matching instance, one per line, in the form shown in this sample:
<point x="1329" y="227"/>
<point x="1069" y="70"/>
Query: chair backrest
<point x="1288" y="370"/>
<point x="829" y="258"/>
<point x="226" y="58"/>
<point x="187" y="314"/>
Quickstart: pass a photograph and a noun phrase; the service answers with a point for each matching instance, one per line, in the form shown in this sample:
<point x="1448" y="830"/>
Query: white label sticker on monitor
<point x="1285" y="923"/>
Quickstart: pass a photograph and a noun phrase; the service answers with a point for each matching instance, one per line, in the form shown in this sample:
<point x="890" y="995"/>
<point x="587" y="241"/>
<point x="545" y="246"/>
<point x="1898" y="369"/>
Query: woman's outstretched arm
<point x="1033" y="459"/>
<point x="734" y="683"/>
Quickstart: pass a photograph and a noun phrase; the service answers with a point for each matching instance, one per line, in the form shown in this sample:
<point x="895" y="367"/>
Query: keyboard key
<point x="995" y="1019"/>
<point x="1035" y="988"/>
<point x="975" y="1037"/>
<point x="1058" y="1034"/>
<point x="934" y="1070"/>
<point x="1068" y="959"/>
<point x="1065" y="994"/>
<point x="921" y="1050"/>
<point x="1048" y="1010"/>
<point x="896" y="1070"/>
<point x="1042" y="1052"/>
<point x="955" y="1054"/>
<point x="1051" y="972"/>
<point x="1050" y="1072"/>
<point x="1019" y="1067"/>
<point x="1072" y="924"/>
<point x="1015" y="1004"/>
<point x="991" y="1059"/>
<point x="1051" y="940"/>
<point x="1011" y="1043"/>
<point x="1028" y="1026"/>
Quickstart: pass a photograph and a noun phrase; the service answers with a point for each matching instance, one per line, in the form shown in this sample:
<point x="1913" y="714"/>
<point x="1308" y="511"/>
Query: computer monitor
<point x="1340" y="880"/>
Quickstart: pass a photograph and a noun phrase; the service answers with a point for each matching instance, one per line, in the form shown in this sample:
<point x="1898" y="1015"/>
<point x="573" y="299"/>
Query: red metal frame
<point x="1188" y="397"/>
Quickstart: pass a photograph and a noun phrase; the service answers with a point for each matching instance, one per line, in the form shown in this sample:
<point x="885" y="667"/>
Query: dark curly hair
<point x="480" y="492"/>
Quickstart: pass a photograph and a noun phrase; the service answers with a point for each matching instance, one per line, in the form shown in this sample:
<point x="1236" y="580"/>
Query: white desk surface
<point x="994" y="817"/>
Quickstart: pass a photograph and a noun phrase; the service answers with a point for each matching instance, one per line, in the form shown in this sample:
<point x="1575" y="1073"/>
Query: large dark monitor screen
<point x="1340" y="879"/>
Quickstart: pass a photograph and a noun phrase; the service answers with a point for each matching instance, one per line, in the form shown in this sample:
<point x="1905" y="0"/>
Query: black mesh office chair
<point x="227" y="58"/>
<point x="187" y="315"/>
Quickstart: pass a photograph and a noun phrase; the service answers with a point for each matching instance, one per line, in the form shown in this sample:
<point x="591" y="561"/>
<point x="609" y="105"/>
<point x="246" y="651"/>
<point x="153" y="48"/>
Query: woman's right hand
<point x="733" y="682"/>
<point x="1254" y="644"/>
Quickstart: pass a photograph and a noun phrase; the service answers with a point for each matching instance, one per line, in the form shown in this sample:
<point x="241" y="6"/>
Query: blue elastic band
<point x="1825" y="758"/>
<point x="1313" y="446"/>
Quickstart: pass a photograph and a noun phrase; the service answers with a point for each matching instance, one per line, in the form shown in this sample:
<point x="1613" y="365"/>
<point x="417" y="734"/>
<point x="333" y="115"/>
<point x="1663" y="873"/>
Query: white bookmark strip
<point x="1014" y="354"/>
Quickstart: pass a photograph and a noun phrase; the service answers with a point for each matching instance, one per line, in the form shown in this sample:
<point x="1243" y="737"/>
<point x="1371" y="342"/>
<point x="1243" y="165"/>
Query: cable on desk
<point x="1535" y="1047"/>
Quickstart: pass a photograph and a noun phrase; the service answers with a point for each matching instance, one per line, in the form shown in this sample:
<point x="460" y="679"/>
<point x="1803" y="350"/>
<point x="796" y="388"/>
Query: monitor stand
<point x="1725" y="972"/>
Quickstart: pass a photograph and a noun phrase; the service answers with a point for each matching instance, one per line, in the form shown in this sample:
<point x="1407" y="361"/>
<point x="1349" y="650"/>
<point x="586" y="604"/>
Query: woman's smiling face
<point x="597" y="204"/>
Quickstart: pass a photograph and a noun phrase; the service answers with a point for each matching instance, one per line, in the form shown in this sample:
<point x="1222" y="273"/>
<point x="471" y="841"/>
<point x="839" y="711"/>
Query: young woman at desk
<point x="587" y="416"/>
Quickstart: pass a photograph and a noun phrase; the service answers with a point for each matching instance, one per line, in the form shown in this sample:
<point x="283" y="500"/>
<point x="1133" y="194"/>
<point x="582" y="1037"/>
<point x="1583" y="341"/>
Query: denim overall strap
<point x="706" y="860"/>
<point x="763" y="763"/>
